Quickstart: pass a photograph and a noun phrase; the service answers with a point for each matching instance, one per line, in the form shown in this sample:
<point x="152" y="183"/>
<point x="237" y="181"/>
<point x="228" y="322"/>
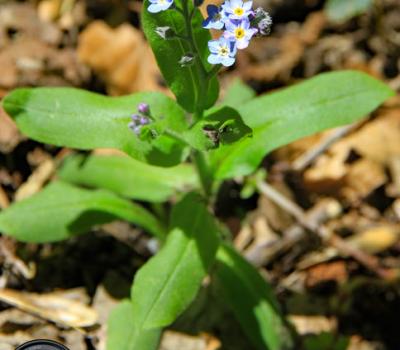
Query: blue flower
<point x="214" y="19"/>
<point x="223" y="52"/>
<point x="240" y="32"/>
<point x="159" y="5"/>
<point x="237" y="9"/>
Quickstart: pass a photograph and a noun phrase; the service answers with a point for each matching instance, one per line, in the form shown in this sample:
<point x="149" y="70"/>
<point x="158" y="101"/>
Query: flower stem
<point x="202" y="73"/>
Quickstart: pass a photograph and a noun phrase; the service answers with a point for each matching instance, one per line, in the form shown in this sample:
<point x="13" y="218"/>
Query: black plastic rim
<point x="42" y="344"/>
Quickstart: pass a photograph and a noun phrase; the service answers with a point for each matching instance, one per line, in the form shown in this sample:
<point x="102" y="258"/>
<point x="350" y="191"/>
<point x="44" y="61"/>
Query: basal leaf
<point x="128" y="177"/>
<point x="326" y="101"/>
<point x="185" y="82"/>
<point x="62" y="210"/>
<point x="252" y="301"/>
<point x="342" y="10"/>
<point x="168" y="282"/>
<point x="85" y="120"/>
<point x="122" y="333"/>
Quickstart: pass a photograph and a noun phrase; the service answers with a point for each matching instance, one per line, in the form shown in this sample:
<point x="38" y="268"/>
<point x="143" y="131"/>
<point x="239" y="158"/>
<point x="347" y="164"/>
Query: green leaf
<point x="62" y="210"/>
<point x="221" y="125"/>
<point x="84" y="120"/>
<point x="168" y="282"/>
<point x="237" y="94"/>
<point x="342" y="10"/>
<point x="128" y="177"/>
<point x="185" y="82"/>
<point x="122" y="333"/>
<point x="326" y="101"/>
<point x="326" y="341"/>
<point x="252" y="301"/>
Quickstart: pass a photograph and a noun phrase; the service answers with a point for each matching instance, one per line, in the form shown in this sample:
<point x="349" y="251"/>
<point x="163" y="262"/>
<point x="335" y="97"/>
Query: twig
<point x="323" y="211"/>
<point x="327" y="236"/>
<point x="308" y="157"/>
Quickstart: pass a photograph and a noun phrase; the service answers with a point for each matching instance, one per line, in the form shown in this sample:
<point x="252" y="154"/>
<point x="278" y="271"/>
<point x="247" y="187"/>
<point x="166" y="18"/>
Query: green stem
<point x="213" y="71"/>
<point x="203" y="81"/>
<point x="204" y="172"/>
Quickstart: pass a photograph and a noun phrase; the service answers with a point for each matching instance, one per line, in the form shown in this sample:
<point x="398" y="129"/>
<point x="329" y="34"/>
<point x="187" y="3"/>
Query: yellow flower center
<point x="239" y="33"/>
<point x="223" y="51"/>
<point x="238" y="11"/>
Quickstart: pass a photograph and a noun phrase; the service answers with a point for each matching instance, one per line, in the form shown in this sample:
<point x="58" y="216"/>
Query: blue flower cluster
<point x="239" y="22"/>
<point x="235" y="17"/>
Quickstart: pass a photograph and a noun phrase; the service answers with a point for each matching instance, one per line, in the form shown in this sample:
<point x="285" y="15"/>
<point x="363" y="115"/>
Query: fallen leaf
<point x="10" y="137"/>
<point x="376" y="239"/>
<point x="121" y="56"/>
<point x="51" y="306"/>
<point x="306" y="324"/>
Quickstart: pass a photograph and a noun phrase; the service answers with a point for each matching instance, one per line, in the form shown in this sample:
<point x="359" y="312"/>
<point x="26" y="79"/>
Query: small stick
<point x="327" y="236"/>
<point x="308" y="157"/>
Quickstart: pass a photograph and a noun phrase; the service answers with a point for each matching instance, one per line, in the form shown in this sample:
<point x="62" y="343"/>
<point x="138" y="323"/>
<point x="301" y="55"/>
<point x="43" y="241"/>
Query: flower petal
<point x="214" y="59"/>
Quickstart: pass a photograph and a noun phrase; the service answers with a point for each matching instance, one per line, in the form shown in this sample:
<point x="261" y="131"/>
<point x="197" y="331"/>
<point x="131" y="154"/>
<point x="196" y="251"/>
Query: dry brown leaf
<point x="4" y="201"/>
<point x="52" y="306"/>
<point x="363" y="177"/>
<point x="121" y="56"/>
<point x="305" y="324"/>
<point x="49" y="10"/>
<point x="10" y="137"/>
<point x="376" y="239"/>
<point x="172" y="340"/>
<point x="393" y="189"/>
<point x="377" y="143"/>
<point x="326" y="272"/>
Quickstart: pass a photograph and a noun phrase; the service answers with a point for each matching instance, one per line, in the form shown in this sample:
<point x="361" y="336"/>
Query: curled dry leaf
<point x="173" y="340"/>
<point x="376" y="143"/>
<point x="121" y="56"/>
<point x="10" y="137"/>
<point x="306" y="324"/>
<point x="52" y="306"/>
<point x="376" y="239"/>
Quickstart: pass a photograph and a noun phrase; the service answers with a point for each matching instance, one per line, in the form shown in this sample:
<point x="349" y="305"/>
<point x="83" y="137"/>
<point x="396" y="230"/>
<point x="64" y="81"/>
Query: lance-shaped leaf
<point x="168" y="282"/>
<point x="85" y="120"/>
<point x="237" y="94"/>
<point x="342" y="10"/>
<point x="185" y="82"/>
<point x="252" y="301"/>
<point x="128" y="177"/>
<point x="62" y="210"/>
<point x="123" y="334"/>
<point x="326" y="101"/>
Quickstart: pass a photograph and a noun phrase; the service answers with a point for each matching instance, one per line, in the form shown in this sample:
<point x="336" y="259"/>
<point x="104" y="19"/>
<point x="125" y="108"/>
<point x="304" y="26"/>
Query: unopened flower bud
<point x="165" y="32"/>
<point x="144" y="121"/>
<point x="144" y="108"/>
<point x="135" y="117"/>
<point x="187" y="60"/>
<point x="262" y="21"/>
<point x="134" y="127"/>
